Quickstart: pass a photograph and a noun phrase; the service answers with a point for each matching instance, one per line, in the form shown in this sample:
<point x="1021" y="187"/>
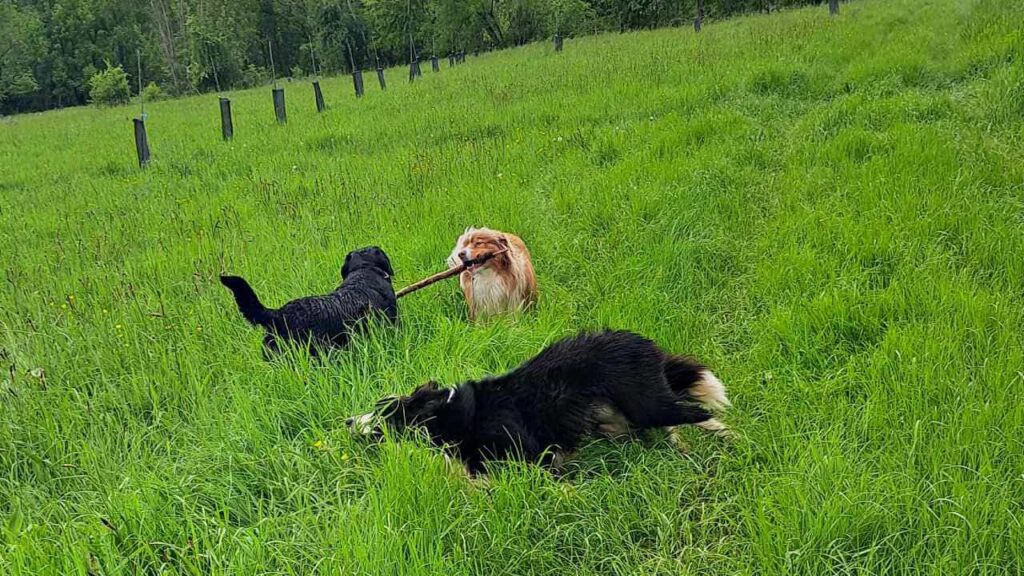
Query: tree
<point x="398" y="26"/>
<point x="523" y="20"/>
<point x="110" y="86"/>
<point x="343" y="36"/>
<point x="168" y="30"/>
<point x="50" y="49"/>
<point x="21" y="46"/>
<point x="220" y="35"/>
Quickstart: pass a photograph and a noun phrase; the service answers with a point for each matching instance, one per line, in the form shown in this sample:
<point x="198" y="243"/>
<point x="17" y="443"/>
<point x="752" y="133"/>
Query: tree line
<point x="51" y="50"/>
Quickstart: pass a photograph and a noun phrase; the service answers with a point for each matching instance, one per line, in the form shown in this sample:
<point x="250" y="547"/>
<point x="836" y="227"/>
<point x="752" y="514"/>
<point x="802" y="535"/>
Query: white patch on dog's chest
<point x="489" y="292"/>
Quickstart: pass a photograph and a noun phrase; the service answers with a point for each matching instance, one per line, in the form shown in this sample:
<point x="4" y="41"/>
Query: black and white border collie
<point x="604" y="384"/>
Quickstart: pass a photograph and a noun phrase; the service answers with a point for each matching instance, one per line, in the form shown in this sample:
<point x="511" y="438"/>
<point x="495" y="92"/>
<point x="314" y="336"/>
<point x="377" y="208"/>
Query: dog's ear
<point x="429" y="386"/>
<point x="385" y="403"/>
<point x="387" y="263"/>
<point x="346" y="265"/>
<point x="503" y="241"/>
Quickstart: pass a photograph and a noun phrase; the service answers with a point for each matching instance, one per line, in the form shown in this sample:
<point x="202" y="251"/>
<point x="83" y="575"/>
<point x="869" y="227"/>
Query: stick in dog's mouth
<point x="472" y="264"/>
<point x="479" y="261"/>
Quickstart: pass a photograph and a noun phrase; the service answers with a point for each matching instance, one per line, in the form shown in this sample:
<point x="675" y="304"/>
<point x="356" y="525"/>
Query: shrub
<point x="152" y="92"/>
<point x="255" y="75"/>
<point x="109" y="87"/>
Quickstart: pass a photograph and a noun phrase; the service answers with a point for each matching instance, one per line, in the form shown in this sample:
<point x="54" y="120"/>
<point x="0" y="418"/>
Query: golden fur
<point x="504" y="283"/>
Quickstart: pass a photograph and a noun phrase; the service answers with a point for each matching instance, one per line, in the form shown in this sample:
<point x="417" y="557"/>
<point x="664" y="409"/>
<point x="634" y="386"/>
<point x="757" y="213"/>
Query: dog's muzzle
<point x="365" y="425"/>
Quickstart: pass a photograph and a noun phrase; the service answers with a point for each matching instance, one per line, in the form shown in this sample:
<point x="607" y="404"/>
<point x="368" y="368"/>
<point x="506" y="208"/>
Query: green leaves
<point x="109" y="87"/>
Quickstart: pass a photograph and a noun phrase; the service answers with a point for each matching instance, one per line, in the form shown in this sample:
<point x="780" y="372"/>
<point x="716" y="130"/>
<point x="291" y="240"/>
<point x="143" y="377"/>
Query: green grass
<point x="830" y="212"/>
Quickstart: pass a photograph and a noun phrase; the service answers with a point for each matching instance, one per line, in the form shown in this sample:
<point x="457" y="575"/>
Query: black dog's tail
<point x="693" y="381"/>
<point x="248" y="303"/>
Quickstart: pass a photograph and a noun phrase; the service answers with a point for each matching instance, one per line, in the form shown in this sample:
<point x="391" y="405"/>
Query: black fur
<point x="582" y="386"/>
<point x="329" y="320"/>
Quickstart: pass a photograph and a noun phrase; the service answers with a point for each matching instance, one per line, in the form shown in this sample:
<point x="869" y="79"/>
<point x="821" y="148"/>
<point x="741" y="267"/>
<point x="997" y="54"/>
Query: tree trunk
<point x="491" y="24"/>
<point x="163" y="26"/>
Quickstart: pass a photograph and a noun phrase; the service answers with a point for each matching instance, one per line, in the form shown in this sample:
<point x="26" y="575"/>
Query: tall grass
<point x="828" y="211"/>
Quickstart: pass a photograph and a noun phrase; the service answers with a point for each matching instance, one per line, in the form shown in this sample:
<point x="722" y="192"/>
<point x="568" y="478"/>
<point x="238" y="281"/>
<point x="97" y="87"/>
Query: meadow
<point x="828" y="211"/>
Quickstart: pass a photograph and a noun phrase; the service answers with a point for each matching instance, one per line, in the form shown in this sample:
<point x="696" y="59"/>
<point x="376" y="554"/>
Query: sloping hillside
<point x="828" y="211"/>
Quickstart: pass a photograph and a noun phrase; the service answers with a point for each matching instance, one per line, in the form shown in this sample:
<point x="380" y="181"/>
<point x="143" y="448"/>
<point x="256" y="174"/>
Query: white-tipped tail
<point x="710" y="392"/>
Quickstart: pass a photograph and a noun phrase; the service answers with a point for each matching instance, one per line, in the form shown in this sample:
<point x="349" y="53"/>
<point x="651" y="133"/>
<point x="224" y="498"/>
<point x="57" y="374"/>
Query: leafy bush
<point x="152" y="92"/>
<point x="109" y="87"/>
<point x="255" y="75"/>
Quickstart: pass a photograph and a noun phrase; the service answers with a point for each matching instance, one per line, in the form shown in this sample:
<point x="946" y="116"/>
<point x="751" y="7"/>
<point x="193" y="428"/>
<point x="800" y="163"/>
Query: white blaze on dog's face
<point x="364" y="424"/>
<point x="372" y="423"/>
<point x="399" y="413"/>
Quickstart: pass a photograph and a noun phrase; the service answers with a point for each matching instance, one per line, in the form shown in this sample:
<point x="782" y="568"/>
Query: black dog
<point x="329" y="320"/>
<point x="604" y="384"/>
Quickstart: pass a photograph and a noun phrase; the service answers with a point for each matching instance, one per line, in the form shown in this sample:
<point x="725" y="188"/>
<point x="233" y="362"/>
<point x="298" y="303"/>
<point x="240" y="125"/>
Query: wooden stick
<point x="454" y="271"/>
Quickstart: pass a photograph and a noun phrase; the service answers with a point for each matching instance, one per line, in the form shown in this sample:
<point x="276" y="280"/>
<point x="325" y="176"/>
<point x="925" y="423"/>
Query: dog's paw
<point x="675" y="438"/>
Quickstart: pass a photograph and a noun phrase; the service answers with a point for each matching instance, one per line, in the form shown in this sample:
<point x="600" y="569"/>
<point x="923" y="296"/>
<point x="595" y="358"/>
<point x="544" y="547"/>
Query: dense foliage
<point x="109" y="87"/>
<point x="49" y="49"/>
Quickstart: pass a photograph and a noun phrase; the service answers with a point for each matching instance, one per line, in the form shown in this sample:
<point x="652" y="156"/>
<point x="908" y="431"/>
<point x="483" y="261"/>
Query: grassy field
<point x="830" y="212"/>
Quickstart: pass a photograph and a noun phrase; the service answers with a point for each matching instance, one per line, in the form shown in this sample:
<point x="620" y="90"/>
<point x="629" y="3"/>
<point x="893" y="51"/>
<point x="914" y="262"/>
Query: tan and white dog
<point x="502" y="284"/>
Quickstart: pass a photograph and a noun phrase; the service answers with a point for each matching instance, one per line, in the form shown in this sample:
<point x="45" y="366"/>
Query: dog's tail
<point x="693" y="381"/>
<point x="248" y="303"/>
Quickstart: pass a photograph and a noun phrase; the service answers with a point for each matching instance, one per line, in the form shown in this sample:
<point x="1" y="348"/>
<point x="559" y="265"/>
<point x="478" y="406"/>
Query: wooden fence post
<point x="319" y="96"/>
<point x="357" y="82"/>
<point x="141" y="142"/>
<point x="279" y="110"/>
<point x="227" y="128"/>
